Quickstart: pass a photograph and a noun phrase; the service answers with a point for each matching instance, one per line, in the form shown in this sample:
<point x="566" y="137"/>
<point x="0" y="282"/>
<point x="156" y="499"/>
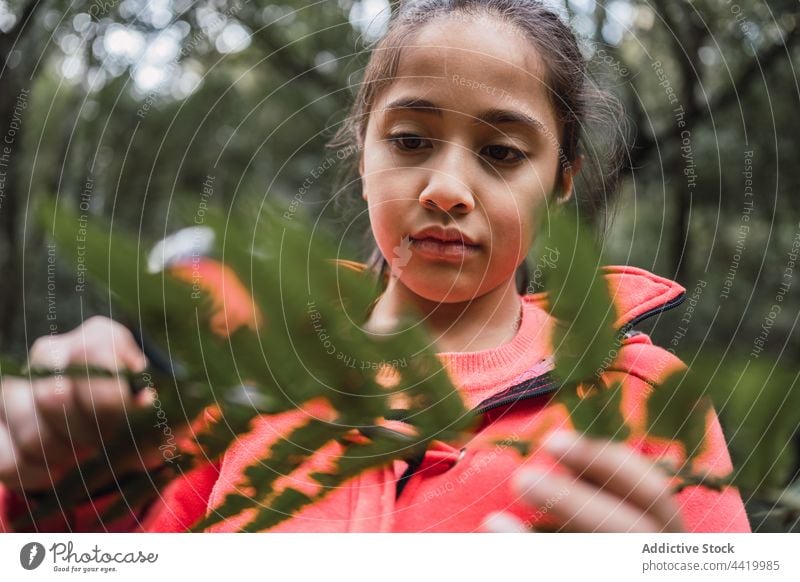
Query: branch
<point x="761" y="62"/>
<point x="9" y="39"/>
<point x="28" y="12"/>
<point x="284" y="59"/>
<point x="675" y="35"/>
<point x="765" y="57"/>
<point x="676" y="38"/>
<point x="600" y="14"/>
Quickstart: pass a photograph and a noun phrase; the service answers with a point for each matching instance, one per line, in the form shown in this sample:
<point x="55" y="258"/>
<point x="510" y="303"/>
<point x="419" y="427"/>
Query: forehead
<point x="470" y="64"/>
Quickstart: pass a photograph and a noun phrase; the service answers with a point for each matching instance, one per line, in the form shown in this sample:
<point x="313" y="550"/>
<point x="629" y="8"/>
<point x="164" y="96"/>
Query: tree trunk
<point x="10" y="251"/>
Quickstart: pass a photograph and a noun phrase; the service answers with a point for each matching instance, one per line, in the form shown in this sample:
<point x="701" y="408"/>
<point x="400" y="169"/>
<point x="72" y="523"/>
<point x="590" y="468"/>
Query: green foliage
<point x="676" y="410"/>
<point x="299" y="338"/>
<point x="579" y="300"/>
<point x="274" y="367"/>
<point x="759" y="402"/>
<point x="599" y="414"/>
<point x="584" y="340"/>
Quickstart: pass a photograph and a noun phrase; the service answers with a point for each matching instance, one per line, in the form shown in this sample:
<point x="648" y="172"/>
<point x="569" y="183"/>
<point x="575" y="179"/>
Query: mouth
<point x="443" y="245"/>
<point x="442" y="234"/>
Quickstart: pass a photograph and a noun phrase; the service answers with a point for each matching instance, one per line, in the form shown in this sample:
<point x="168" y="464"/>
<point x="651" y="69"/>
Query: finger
<point x="129" y="354"/>
<point x="618" y="470"/>
<point x="98" y="342"/>
<point x="9" y="467"/>
<point x="31" y="438"/>
<point x="105" y="343"/>
<point x="102" y="404"/>
<point x="55" y="397"/>
<point x="502" y="522"/>
<point x="103" y="401"/>
<point x="14" y="471"/>
<point x="50" y="352"/>
<point x="72" y="407"/>
<point x="55" y="401"/>
<point x="146" y="397"/>
<point x="580" y="506"/>
<point x="99" y="400"/>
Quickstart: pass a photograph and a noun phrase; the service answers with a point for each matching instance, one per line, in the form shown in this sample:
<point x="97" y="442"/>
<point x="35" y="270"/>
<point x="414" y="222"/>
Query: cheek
<point x="386" y="192"/>
<point x="386" y="195"/>
<point x="512" y="221"/>
<point x="384" y="205"/>
<point x="380" y="218"/>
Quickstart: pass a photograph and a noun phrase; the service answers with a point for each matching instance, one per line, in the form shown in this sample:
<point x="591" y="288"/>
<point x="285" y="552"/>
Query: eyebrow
<point x="492" y="116"/>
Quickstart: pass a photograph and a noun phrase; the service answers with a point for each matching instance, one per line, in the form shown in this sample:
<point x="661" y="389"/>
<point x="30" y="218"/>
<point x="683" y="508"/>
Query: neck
<point x="485" y="322"/>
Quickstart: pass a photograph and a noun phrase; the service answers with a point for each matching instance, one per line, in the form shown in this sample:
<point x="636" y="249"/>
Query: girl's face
<point x="462" y="147"/>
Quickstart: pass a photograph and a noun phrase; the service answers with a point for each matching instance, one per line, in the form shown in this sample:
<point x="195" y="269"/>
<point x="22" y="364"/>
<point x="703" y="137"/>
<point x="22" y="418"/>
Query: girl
<point x="468" y="124"/>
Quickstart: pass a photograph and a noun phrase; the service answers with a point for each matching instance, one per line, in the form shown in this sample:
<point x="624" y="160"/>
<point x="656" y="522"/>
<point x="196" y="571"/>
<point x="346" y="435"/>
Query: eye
<point x="503" y="154"/>
<point x="408" y="141"/>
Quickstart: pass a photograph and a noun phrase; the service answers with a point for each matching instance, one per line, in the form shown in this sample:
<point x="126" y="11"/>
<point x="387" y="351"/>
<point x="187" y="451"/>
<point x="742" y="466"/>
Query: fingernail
<point x="560" y="442"/>
<point x="147" y="397"/>
<point x="527" y="479"/>
<point x="141" y="364"/>
<point x="500" y="522"/>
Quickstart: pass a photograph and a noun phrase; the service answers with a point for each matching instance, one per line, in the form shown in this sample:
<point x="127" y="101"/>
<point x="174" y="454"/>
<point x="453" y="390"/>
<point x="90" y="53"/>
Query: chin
<point x="445" y="290"/>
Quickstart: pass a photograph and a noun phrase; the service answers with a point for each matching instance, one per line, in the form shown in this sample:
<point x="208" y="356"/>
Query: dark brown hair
<point x="587" y="114"/>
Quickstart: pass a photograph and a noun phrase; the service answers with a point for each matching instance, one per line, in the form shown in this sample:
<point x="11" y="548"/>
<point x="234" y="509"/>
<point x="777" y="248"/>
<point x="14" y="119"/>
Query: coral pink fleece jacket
<point x="454" y="486"/>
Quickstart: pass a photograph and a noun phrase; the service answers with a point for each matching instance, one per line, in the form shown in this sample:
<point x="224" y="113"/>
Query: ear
<point x="568" y="179"/>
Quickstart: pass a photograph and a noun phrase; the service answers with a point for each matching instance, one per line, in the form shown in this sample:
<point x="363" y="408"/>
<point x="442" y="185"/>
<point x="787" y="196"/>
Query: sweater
<point x="454" y="486"/>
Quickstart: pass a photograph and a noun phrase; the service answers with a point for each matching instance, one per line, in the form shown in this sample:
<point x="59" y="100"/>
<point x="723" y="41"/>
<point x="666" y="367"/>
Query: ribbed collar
<point x="481" y="374"/>
<point x="637" y="294"/>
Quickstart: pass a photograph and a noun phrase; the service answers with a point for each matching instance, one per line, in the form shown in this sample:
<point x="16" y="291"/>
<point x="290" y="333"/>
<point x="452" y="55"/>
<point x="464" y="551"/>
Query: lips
<point x="441" y="244"/>
<point x="444" y="235"/>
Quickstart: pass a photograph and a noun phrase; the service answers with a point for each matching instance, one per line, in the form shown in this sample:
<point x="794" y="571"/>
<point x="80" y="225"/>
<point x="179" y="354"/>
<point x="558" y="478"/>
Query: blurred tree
<point x="147" y="100"/>
<point x="18" y="36"/>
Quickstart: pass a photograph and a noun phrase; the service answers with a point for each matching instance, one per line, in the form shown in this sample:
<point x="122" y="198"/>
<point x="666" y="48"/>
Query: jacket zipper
<point x="655" y="311"/>
<point x="547" y="384"/>
<point x="532" y="388"/>
<point x="545" y="388"/>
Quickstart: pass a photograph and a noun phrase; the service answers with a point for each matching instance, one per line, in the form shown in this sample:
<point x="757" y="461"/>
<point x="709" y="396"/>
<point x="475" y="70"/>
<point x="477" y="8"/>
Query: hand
<point x="609" y="488"/>
<point x="47" y="423"/>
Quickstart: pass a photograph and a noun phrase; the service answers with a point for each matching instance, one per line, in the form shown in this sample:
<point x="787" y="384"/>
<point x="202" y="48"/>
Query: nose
<point x="447" y="187"/>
